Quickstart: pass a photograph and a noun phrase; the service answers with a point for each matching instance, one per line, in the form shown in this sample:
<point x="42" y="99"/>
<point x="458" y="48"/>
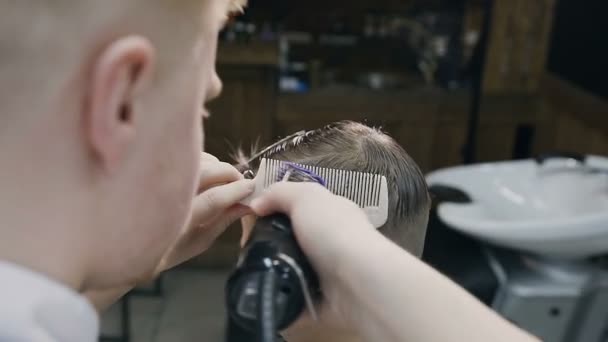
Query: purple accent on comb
<point x="301" y="169"/>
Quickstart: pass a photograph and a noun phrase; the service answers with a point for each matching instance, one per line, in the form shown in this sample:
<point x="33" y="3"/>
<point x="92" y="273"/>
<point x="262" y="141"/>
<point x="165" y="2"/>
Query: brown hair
<point x="354" y="146"/>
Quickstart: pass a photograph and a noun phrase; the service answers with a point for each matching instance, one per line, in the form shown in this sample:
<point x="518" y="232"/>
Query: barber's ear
<point x="117" y="73"/>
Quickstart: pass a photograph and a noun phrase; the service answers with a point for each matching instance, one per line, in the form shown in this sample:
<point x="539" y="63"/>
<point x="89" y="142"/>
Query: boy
<point x="353" y="146"/>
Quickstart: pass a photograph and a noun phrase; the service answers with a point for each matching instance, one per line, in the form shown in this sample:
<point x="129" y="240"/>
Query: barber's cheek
<point x="202" y="139"/>
<point x="215" y="87"/>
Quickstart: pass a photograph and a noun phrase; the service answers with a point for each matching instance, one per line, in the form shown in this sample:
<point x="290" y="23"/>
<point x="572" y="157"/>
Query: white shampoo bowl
<point x="557" y="209"/>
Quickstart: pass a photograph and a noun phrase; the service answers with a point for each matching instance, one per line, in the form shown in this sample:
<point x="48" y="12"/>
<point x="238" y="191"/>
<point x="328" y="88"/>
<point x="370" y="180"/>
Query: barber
<point x="103" y="185"/>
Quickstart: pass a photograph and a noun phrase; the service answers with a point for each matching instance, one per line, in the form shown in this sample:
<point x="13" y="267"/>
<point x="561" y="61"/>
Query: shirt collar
<point x="31" y="298"/>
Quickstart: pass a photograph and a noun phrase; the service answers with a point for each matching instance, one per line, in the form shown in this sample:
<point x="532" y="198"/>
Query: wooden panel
<point x="574" y="135"/>
<point x="599" y="143"/>
<point x="417" y="140"/>
<point x="251" y="54"/>
<point x="510" y="109"/>
<point x="518" y="45"/>
<point x="450" y="130"/>
<point x="448" y="142"/>
<point x="578" y="120"/>
<point x="496" y="142"/>
<point x="358" y="104"/>
<point x="244" y="113"/>
<point x="500" y="115"/>
<point x="545" y="130"/>
<point x="569" y="98"/>
<point x="453" y="107"/>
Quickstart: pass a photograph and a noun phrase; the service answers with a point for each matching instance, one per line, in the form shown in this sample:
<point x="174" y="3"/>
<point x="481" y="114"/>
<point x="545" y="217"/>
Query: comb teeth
<point x="360" y="187"/>
<point x="369" y="191"/>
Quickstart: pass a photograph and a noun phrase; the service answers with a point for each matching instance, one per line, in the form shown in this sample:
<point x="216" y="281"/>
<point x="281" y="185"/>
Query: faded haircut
<point x="354" y="146"/>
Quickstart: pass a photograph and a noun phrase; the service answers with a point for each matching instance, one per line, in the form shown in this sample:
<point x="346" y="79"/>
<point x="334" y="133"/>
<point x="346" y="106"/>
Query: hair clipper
<point x="272" y="284"/>
<point x="273" y="281"/>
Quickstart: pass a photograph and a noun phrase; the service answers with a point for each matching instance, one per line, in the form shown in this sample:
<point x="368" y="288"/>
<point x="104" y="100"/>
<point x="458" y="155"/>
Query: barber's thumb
<point x="222" y="197"/>
<point x="233" y="214"/>
<point x="282" y="197"/>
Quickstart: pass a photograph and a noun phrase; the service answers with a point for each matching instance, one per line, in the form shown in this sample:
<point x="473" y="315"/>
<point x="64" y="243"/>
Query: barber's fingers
<point x="322" y="222"/>
<point x="285" y="196"/>
<point x="214" y="201"/>
<point x="312" y="208"/>
<point x="208" y="157"/>
<point x="201" y="235"/>
<point x="247" y="224"/>
<point x="213" y="173"/>
<point x="223" y="221"/>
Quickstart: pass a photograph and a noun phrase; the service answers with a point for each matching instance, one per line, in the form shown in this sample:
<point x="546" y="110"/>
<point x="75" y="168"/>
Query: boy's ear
<point x="110" y="115"/>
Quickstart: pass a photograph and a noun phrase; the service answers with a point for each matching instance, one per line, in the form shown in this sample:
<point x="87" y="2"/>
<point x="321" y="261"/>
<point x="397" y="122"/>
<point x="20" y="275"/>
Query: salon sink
<point x="556" y="207"/>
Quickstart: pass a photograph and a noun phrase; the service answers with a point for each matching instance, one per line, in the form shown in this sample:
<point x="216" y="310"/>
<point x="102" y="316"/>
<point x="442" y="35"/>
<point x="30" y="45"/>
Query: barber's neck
<point x="41" y="256"/>
<point x="40" y="229"/>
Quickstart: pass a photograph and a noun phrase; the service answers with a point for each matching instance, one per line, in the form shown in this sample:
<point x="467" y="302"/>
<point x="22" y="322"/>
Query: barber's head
<point x="354" y="146"/>
<point x="102" y="103"/>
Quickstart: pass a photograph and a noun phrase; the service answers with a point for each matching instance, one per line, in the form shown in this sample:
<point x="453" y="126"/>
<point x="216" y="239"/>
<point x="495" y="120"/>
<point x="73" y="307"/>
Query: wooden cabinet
<point x="245" y="112"/>
<point x="577" y="121"/>
<point x="518" y="45"/>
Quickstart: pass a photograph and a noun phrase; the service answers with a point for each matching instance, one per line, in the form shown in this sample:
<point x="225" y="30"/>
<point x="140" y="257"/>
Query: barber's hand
<point x="324" y="225"/>
<point x="214" y="208"/>
<point x="321" y="220"/>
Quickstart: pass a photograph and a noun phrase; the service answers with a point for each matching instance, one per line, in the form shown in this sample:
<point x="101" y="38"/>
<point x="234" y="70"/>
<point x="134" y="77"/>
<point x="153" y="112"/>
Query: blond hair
<point x="44" y="43"/>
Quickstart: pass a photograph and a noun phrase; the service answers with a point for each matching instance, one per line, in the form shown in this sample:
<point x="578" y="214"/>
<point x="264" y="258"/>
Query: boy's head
<point x="100" y="103"/>
<point x="354" y="146"/>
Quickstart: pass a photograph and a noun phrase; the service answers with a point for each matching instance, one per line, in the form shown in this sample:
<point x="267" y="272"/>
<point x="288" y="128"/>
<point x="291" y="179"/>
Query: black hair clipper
<point x="273" y="281"/>
<point x="272" y="284"/>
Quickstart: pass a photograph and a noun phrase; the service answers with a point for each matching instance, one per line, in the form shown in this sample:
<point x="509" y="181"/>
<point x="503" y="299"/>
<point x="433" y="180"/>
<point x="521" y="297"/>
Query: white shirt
<point x="34" y="308"/>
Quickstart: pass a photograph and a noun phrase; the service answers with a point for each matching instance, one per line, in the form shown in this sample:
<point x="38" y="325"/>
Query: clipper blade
<point x="369" y="191"/>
